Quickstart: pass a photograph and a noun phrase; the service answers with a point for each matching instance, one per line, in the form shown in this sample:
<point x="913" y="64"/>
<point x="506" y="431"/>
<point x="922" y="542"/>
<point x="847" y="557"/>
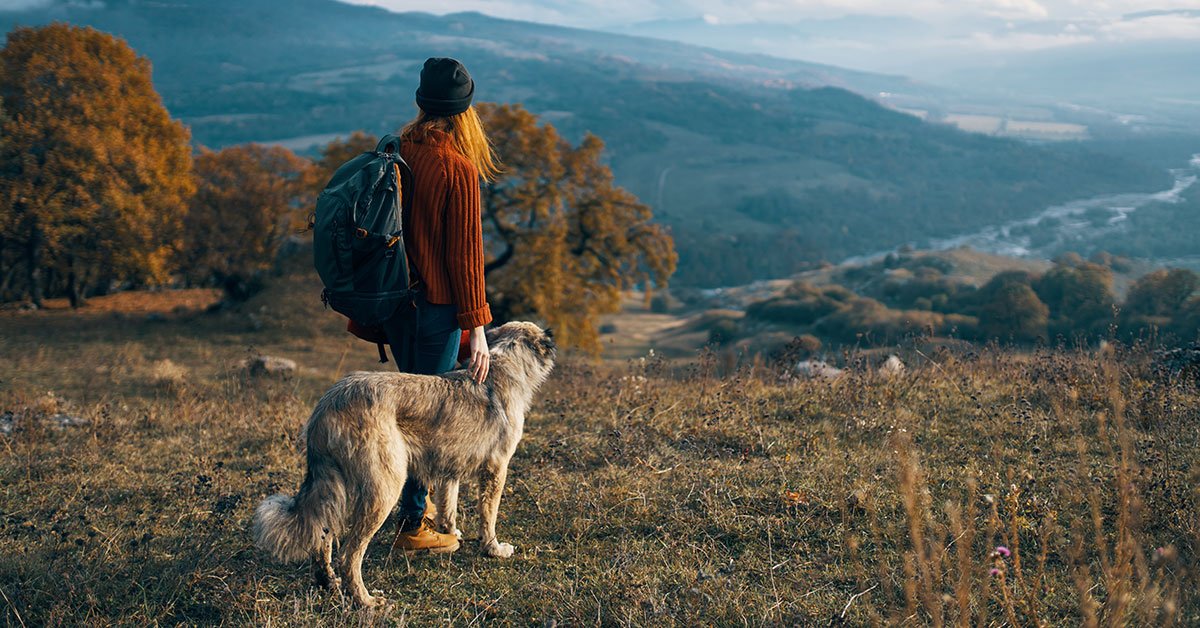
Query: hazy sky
<point x="955" y="31"/>
<point x="614" y="12"/>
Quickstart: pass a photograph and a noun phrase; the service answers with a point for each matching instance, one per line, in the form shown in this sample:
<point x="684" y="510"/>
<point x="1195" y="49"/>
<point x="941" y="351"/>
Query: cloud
<point x="22" y="5"/>
<point x="1026" y="41"/>
<point x="1014" y="9"/>
<point x="1153" y="27"/>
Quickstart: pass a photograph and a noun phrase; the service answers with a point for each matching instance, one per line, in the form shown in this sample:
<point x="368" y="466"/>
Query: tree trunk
<point x="76" y="287"/>
<point x="6" y="283"/>
<point x="33" y="260"/>
<point x="499" y="261"/>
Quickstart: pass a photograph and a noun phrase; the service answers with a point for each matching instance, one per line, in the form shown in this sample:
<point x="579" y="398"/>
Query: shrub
<point x="1162" y="292"/>
<point x="1008" y="308"/>
<point x="791" y="311"/>
<point x="1078" y="296"/>
<point x="801" y="304"/>
<point x="723" y="332"/>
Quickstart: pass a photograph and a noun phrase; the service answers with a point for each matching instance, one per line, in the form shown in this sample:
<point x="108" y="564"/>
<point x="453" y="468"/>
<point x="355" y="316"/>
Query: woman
<point x="449" y="153"/>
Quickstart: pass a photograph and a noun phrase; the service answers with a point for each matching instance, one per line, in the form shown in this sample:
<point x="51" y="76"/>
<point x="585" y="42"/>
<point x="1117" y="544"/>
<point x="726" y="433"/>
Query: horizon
<point x="933" y="40"/>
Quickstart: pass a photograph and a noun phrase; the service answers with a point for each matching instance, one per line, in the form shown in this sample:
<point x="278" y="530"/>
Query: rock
<point x="63" y="421"/>
<point x="6" y="422"/>
<point x="892" y="367"/>
<point x="1183" y="362"/>
<point x="817" y="369"/>
<point x="268" y="365"/>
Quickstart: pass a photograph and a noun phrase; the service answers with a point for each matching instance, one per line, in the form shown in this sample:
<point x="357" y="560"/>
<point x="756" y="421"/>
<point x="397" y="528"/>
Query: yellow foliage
<point x="95" y="173"/>
<point x="564" y="240"/>
<point x="247" y="199"/>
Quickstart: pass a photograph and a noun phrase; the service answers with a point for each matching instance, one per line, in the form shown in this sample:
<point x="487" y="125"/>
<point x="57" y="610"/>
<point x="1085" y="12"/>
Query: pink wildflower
<point x="1003" y="551"/>
<point x="994" y="572"/>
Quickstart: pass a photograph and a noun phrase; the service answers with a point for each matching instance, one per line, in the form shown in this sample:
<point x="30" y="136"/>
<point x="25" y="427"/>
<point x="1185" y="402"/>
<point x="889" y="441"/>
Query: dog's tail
<point x="292" y="529"/>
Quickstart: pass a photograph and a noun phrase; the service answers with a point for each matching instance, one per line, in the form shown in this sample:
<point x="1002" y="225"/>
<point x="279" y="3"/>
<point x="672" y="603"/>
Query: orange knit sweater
<point x="444" y="232"/>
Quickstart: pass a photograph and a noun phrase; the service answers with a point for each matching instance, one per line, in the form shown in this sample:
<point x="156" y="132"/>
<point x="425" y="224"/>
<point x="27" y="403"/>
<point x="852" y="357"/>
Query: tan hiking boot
<point x="425" y="538"/>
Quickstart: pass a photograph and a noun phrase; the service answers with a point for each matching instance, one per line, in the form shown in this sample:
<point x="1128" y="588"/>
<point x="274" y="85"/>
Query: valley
<point x="762" y="167"/>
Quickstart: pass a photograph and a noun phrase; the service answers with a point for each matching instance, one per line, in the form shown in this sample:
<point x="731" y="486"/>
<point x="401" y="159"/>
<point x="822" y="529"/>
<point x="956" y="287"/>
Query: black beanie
<point x="446" y="87"/>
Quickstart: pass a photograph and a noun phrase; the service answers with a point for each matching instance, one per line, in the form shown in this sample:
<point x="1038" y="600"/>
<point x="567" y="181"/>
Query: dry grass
<point x="643" y="494"/>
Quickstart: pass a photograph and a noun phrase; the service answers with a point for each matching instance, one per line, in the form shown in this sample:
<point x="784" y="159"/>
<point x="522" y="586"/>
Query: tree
<point x="1079" y="296"/>
<point x="247" y="200"/>
<point x="1009" y="308"/>
<point x="1161" y="300"/>
<point x="1162" y="292"/>
<point x="94" y="175"/>
<point x="341" y="150"/>
<point x="564" y="240"/>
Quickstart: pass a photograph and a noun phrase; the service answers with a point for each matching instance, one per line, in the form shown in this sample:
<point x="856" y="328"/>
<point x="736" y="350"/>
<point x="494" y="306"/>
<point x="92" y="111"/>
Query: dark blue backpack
<point x="358" y="238"/>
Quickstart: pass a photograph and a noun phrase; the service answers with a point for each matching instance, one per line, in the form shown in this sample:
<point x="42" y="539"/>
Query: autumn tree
<point x="248" y="198"/>
<point x="1161" y="292"/>
<point x="1160" y="300"/>
<point x="1079" y="296"/>
<point x="564" y="240"/>
<point x="341" y="150"/>
<point x="94" y="174"/>
<point x="1008" y="308"/>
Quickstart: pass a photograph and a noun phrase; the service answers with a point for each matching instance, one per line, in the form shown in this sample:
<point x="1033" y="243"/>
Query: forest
<point x="101" y="192"/>
<point x="915" y="296"/>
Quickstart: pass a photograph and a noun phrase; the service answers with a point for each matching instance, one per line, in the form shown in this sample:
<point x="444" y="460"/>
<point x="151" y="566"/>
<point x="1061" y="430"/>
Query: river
<point x="1057" y="228"/>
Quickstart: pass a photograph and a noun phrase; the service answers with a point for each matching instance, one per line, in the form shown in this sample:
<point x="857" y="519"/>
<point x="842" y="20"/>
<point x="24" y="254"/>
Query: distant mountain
<point x="1139" y="68"/>
<point x="1144" y="78"/>
<point x="760" y="165"/>
<point x="850" y="40"/>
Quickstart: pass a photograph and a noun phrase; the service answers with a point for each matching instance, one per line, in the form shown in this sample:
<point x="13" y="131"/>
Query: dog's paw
<point x="370" y="601"/>
<point x="498" y="550"/>
<point x="374" y="602"/>
<point x="446" y="527"/>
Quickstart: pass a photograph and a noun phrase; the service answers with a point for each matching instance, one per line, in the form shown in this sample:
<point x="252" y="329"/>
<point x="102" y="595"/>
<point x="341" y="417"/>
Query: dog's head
<point x="528" y="338"/>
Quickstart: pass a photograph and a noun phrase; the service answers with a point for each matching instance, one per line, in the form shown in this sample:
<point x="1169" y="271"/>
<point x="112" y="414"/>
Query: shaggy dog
<point x="372" y="429"/>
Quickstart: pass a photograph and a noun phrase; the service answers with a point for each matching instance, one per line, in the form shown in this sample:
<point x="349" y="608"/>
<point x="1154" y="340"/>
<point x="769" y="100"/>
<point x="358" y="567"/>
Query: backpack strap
<point x="389" y="144"/>
<point x="403" y="334"/>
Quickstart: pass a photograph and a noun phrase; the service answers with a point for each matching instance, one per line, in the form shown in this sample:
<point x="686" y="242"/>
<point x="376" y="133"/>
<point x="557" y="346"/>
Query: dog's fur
<point x="372" y="429"/>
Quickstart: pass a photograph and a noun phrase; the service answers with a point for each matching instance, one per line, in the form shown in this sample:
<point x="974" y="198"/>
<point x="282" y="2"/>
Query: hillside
<point x="761" y="166"/>
<point x="641" y="494"/>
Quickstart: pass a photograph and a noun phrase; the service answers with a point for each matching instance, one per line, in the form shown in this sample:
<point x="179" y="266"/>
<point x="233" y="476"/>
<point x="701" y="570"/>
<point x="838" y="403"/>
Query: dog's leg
<point x="323" y="566"/>
<point x="366" y="518"/>
<point x="491" y="483"/>
<point x="445" y="497"/>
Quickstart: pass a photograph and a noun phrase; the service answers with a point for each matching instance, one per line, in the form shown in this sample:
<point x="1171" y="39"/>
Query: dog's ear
<point x="546" y="342"/>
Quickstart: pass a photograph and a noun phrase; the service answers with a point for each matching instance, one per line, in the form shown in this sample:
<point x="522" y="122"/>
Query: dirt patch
<point x="131" y="302"/>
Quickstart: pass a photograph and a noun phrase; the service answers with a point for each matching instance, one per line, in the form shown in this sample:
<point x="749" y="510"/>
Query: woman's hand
<point x="480" y="358"/>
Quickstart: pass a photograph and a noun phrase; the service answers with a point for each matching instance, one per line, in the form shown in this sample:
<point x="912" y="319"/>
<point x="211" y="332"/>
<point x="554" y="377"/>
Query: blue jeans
<point x="437" y="342"/>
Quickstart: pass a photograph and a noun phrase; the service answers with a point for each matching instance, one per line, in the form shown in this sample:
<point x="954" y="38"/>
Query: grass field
<point x="644" y="493"/>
